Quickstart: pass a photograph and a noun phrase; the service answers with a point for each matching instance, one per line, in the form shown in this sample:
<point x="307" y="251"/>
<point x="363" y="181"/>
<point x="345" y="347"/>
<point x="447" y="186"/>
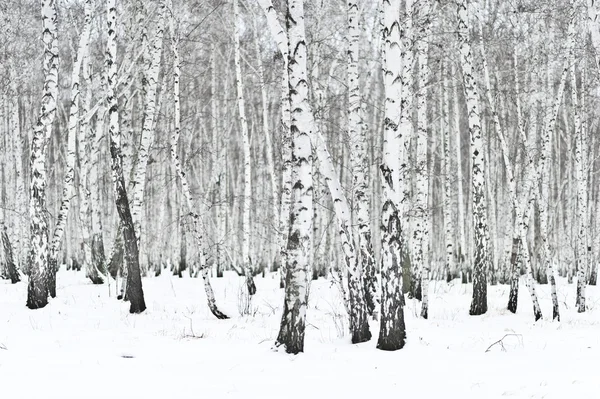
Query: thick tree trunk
<point x="392" y="333"/>
<point x="293" y="320"/>
<point x="37" y="292"/>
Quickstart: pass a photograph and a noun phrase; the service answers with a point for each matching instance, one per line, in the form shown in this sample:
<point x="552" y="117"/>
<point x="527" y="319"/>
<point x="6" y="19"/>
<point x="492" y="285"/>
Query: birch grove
<point x="395" y="152"/>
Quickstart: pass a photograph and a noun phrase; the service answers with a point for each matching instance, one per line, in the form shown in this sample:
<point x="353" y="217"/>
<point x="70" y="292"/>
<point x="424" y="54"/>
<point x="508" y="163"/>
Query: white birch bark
<point x="358" y="158"/>
<point x="37" y="292"/>
<point x="150" y="110"/>
<point x="480" y="222"/>
<point x="460" y="197"/>
<point x="449" y="228"/>
<point x="392" y="332"/>
<point x="580" y="151"/>
<point x="520" y="211"/>
<point x="247" y="197"/>
<point x="196" y="220"/>
<point x="280" y="37"/>
<point x="21" y="229"/>
<point x="543" y="179"/>
<point x="293" y="321"/>
<point x="134" y="289"/>
<point x="71" y="141"/>
<point x="421" y="218"/>
<point x="358" y="322"/>
<point x="265" y="130"/>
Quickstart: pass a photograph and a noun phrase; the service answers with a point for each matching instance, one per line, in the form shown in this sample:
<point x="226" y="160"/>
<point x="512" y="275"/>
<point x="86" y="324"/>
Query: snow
<point x="85" y="344"/>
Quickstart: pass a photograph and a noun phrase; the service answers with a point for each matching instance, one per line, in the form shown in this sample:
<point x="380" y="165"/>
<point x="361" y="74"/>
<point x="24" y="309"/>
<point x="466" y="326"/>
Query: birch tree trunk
<point x="37" y="291"/>
<point x="359" y="327"/>
<point x="392" y="332"/>
<point x="148" y="127"/>
<point x="480" y="222"/>
<point x="358" y="158"/>
<point x="580" y="152"/>
<point x="280" y="37"/>
<point x="543" y="179"/>
<point x="422" y="219"/>
<point x="247" y="198"/>
<point x="210" y="296"/>
<point x="134" y="291"/>
<point x="449" y="227"/>
<point x="293" y="321"/>
<point x="71" y="141"/>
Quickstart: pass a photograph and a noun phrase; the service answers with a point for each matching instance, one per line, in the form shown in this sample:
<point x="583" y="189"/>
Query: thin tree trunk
<point x="422" y="217"/>
<point x="480" y="222"/>
<point x="247" y="197"/>
<point x="134" y="292"/>
<point x="210" y="296"/>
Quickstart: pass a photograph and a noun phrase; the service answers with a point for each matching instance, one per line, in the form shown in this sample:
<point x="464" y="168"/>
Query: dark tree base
<point x="392" y="342"/>
<point x="37" y="297"/>
<point x="512" y="299"/>
<point x="251" y="286"/>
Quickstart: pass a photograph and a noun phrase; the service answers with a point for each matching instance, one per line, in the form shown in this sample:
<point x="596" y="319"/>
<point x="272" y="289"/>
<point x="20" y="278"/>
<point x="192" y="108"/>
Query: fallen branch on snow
<point x="501" y="342"/>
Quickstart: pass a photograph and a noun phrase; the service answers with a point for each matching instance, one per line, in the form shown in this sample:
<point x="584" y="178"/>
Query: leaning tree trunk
<point x="520" y="204"/>
<point x="392" y="333"/>
<point x="480" y="223"/>
<point x="247" y="197"/>
<point x="37" y="292"/>
<point x="293" y="320"/>
<point x="544" y="179"/>
<point x="359" y="327"/>
<point x="210" y="296"/>
<point x="148" y="128"/>
<point x="135" y="292"/>
<point x="65" y="206"/>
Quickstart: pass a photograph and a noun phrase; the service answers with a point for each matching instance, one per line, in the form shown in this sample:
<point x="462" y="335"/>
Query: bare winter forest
<point x="253" y="174"/>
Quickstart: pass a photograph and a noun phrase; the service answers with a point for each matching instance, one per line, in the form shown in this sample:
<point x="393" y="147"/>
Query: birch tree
<point x="280" y="37"/>
<point x="480" y="223"/>
<point x="68" y="184"/>
<point x="210" y="296"/>
<point x="134" y="291"/>
<point x="358" y="158"/>
<point x="37" y="291"/>
<point x="392" y="332"/>
<point x="246" y="200"/>
<point x="293" y="321"/>
<point x="422" y="221"/>
<point x="359" y="327"/>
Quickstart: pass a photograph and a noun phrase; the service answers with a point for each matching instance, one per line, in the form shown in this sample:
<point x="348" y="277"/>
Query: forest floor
<point x="85" y="344"/>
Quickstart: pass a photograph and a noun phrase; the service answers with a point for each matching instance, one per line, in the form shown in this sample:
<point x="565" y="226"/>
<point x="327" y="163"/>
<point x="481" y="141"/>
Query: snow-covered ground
<point x="85" y="344"/>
